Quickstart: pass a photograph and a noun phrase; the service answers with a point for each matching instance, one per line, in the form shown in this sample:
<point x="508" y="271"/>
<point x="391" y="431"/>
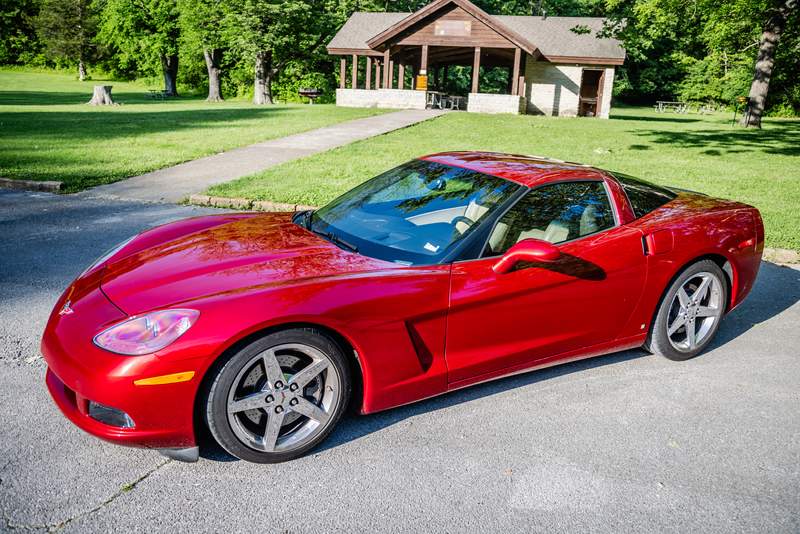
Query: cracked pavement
<point x="620" y="443"/>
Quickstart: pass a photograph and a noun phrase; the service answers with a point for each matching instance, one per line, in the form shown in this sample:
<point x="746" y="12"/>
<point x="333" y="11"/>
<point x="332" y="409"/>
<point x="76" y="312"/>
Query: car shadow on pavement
<point x="777" y="289"/>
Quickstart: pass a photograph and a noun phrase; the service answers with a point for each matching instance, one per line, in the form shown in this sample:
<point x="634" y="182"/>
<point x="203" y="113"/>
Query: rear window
<point x="644" y="196"/>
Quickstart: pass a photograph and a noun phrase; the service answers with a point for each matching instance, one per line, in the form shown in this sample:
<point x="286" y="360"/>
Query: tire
<point x="279" y="397"/>
<point x="670" y="334"/>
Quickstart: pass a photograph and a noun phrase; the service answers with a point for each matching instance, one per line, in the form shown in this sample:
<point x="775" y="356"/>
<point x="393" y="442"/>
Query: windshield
<point x="413" y="214"/>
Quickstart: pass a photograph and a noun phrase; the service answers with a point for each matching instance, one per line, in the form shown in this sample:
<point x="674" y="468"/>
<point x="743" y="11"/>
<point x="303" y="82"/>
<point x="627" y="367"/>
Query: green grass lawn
<point x="703" y="153"/>
<point x="47" y="132"/>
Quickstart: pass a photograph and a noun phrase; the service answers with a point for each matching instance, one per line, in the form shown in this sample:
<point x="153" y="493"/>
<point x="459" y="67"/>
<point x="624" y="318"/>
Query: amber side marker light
<point x="165" y="379"/>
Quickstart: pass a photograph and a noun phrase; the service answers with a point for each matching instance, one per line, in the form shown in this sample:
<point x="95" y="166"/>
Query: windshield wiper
<point x="330" y="236"/>
<point x="336" y="240"/>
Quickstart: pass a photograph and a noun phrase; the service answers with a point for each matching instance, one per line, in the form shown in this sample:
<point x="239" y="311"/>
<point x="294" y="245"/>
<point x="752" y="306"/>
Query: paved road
<point x="621" y="443"/>
<point x="174" y="184"/>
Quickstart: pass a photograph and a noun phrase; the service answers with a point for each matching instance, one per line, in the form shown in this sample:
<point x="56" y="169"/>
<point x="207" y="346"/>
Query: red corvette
<point x="446" y="271"/>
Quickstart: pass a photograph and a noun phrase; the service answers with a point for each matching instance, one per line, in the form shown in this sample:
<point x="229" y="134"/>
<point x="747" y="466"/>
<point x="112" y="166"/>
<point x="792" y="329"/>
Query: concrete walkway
<point x="173" y="184"/>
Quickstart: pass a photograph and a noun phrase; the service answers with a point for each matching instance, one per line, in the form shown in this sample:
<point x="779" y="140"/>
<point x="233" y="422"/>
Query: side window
<point x="555" y="213"/>
<point x="644" y="196"/>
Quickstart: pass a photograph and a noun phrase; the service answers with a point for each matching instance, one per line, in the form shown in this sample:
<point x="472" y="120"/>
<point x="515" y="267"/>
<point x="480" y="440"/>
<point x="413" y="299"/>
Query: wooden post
<point x="368" y="82"/>
<point x="378" y="70"/>
<point x="444" y="78"/>
<point x="423" y="61"/>
<point x="476" y="69"/>
<point x="342" y="72"/>
<point x="386" y="71"/>
<point x="515" y="72"/>
<point x="355" y="71"/>
<point x="391" y="74"/>
<point x="401" y="76"/>
<point x="521" y="85"/>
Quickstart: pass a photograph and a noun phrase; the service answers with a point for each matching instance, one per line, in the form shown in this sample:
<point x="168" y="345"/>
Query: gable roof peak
<point x="428" y="10"/>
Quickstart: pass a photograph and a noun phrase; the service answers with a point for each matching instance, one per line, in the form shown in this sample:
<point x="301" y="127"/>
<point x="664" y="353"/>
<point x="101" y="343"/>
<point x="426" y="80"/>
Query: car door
<point x="507" y="321"/>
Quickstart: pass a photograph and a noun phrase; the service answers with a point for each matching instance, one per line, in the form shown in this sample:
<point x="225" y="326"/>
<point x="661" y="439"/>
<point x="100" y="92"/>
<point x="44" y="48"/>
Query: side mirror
<point x="533" y="250"/>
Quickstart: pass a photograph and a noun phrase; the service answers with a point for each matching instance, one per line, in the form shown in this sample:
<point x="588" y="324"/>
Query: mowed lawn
<point x="47" y="132"/>
<point x="703" y="153"/>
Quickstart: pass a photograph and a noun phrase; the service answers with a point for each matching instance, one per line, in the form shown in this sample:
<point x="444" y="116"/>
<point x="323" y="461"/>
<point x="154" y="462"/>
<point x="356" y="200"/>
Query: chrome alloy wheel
<point x="283" y="398"/>
<point x="696" y="308"/>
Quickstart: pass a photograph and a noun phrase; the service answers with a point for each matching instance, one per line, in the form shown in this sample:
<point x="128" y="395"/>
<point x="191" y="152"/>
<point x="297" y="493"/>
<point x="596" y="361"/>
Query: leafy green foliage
<point x="67" y="29"/>
<point x="140" y="32"/>
<point x="18" y="40"/>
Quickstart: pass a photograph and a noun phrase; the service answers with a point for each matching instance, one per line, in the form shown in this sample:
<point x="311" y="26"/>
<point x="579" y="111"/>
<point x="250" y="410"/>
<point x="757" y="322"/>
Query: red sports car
<point x="446" y="271"/>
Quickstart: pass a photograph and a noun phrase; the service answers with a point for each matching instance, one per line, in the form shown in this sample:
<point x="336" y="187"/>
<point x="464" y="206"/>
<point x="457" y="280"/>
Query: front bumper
<point x="79" y="372"/>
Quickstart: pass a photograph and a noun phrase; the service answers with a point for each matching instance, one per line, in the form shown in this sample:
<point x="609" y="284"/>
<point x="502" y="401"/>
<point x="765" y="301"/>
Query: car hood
<point x="227" y="254"/>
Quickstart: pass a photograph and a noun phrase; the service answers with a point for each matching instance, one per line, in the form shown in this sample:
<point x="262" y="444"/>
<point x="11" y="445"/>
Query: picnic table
<point x="439" y="100"/>
<point x="663" y="106"/>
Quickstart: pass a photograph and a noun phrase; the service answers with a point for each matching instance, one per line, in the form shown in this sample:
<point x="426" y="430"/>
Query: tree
<point x="272" y="33"/>
<point x="777" y="16"/>
<point x="67" y="29"/>
<point x="18" y="41"/>
<point x="144" y="33"/>
<point x="202" y="30"/>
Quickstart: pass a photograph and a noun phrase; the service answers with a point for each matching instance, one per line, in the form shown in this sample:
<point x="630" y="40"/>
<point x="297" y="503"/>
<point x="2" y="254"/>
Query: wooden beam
<point x="521" y="85"/>
<point x="423" y="61"/>
<point x="342" y="73"/>
<point x="390" y="85"/>
<point x="386" y="75"/>
<point x="476" y="69"/>
<point x="368" y="82"/>
<point x="377" y="73"/>
<point x="401" y="76"/>
<point x="515" y="72"/>
<point x="355" y="71"/>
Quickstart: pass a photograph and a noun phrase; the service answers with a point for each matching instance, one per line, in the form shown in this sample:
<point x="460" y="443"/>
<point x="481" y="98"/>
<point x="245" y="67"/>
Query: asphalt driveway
<point x="621" y="443"/>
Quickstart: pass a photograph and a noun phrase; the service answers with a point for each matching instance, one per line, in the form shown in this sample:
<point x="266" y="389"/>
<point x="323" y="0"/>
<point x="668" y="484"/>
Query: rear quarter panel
<point x="699" y="226"/>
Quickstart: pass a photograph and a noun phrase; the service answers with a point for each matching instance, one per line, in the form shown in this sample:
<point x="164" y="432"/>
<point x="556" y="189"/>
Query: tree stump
<point x="102" y="96"/>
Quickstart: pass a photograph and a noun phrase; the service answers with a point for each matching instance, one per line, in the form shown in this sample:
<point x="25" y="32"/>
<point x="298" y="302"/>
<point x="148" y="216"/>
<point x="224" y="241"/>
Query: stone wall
<point x="608" y="89"/>
<point x="492" y="103"/>
<point x="552" y="89"/>
<point x="380" y="98"/>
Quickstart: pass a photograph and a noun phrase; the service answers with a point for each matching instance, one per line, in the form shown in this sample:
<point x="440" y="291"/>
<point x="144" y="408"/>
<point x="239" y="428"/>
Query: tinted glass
<point x="415" y="213"/>
<point x="644" y="196"/>
<point x="554" y="213"/>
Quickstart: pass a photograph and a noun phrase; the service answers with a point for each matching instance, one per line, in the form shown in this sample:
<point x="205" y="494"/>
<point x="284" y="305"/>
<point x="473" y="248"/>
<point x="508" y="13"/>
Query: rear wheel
<point x="279" y="397"/>
<point x="690" y="312"/>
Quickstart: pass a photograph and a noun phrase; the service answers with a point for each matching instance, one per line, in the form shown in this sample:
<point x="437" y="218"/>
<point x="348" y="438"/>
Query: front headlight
<point x="108" y="255"/>
<point x="148" y="333"/>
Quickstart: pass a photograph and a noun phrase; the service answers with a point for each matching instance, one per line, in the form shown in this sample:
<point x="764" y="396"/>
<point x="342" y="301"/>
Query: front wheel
<point x="279" y="397"/>
<point x="690" y="312"/>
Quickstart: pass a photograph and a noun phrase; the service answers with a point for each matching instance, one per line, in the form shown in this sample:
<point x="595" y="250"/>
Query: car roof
<point x="529" y="171"/>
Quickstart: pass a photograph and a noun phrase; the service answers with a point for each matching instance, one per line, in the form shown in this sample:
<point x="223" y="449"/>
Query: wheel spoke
<point x="310" y="410"/>
<point x="676" y="324"/>
<point x="691" y="338"/>
<point x="683" y="298"/>
<point x="305" y="375"/>
<point x="272" y="368"/>
<point x="250" y="402"/>
<point x="706" y="311"/>
<point x="274" y="424"/>
<point x="702" y="289"/>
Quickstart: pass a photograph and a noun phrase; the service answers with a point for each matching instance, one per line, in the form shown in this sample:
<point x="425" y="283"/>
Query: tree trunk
<point x="213" y="61"/>
<point x="81" y="70"/>
<point x="169" y="64"/>
<point x="263" y="78"/>
<point x="102" y="96"/>
<point x="765" y="61"/>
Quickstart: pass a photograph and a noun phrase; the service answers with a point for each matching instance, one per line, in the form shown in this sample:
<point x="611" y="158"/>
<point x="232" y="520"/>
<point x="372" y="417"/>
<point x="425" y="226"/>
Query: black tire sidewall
<point x="216" y="405"/>
<point x="658" y="341"/>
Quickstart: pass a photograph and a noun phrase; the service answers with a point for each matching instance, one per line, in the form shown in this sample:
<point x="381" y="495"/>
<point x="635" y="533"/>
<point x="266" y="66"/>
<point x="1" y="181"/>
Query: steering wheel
<point x="462" y="218"/>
